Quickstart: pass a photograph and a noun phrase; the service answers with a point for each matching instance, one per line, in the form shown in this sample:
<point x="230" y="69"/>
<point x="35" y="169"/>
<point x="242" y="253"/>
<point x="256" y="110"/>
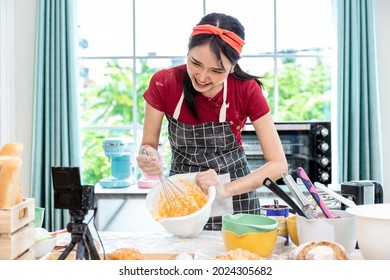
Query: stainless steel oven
<point x="306" y="144"/>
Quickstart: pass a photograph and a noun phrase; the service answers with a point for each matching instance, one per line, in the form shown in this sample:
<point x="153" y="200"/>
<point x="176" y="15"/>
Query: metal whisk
<point x="174" y="195"/>
<point x="307" y="208"/>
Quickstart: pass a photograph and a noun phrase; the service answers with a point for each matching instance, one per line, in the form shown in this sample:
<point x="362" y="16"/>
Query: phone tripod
<point x="80" y="236"/>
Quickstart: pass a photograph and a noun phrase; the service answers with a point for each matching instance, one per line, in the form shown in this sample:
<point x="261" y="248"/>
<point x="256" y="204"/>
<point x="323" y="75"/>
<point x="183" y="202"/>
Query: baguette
<point x="9" y="178"/>
<point x="9" y="182"/>
<point x="12" y="149"/>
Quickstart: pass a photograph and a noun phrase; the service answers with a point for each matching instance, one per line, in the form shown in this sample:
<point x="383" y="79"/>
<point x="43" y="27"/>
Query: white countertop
<point x="207" y="245"/>
<point x="133" y="189"/>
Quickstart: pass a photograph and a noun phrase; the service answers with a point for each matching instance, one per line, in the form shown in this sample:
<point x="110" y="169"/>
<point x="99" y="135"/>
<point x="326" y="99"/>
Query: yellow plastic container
<point x="261" y="243"/>
<point x="292" y="229"/>
<point x="248" y="223"/>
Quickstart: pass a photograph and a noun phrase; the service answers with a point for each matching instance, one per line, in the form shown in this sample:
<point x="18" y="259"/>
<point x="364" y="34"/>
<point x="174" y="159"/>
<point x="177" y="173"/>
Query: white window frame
<point x="137" y="129"/>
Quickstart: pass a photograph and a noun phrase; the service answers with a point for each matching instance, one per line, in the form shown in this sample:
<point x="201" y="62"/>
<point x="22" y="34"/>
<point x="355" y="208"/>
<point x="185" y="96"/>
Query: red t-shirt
<point x="244" y="98"/>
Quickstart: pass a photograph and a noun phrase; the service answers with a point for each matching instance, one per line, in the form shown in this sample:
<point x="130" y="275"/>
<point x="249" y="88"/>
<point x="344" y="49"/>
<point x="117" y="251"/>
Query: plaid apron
<point x="211" y="145"/>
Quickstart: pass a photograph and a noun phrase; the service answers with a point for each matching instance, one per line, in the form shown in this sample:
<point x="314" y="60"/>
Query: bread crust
<point x="126" y="254"/>
<point x="322" y="250"/>
<point x="9" y="182"/>
<point x="239" y="254"/>
<point x="11" y="191"/>
<point x="12" y="149"/>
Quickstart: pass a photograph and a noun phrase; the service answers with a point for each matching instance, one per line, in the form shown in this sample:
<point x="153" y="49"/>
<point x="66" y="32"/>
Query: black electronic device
<point x="78" y="199"/>
<point x="68" y="191"/>
<point x="362" y="192"/>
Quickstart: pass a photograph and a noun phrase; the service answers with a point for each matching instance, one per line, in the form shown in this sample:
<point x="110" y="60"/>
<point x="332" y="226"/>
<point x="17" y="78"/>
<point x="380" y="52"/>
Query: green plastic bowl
<point x="248" y="223"/>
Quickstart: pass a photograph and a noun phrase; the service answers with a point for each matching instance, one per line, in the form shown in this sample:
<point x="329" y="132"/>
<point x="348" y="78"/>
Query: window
<point x="123" y="42"/>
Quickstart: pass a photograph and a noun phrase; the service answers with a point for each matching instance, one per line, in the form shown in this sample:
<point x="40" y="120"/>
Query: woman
<point x="207" y="102"/>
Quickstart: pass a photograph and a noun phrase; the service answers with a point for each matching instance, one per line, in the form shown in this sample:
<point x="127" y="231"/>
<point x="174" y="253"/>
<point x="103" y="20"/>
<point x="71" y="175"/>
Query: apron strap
<point x="222" y="112"/>
<point x="178" y="107"/>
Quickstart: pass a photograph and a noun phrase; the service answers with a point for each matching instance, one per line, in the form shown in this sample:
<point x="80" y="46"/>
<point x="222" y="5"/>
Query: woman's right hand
<point x="208" y="178"/>
<point x="148" y="160"/>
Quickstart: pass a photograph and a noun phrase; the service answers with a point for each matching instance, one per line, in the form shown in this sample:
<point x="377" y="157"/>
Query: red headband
<point x="228" y="36"/>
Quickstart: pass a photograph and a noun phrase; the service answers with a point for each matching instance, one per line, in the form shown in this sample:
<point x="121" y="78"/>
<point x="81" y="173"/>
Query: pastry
<point x="11" y="192"/>
<point x="9" y="182"/>
<point x="322" y="250"/>
<point x="126" y="254"/>
<point x="239" y="254"/>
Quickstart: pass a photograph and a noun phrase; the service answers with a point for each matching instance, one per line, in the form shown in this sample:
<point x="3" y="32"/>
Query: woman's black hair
<point x="217" y="45"/>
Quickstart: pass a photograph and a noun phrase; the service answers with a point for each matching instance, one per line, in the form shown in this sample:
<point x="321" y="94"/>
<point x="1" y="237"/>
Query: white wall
<point x="382" y="11"/>
<point x="17" y="63"/>
<point x="7" y="70"/>
<point x="25" y="11"/>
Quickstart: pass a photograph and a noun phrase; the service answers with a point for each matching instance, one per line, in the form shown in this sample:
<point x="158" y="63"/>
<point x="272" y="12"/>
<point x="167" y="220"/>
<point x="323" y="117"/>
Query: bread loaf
<point x="11" y="191"/>
<point x="9" y="182"/>
<point x="126" y="254"/>
<point x="239" y="254"/>
<point x="322" y="250"/>
<point x="12" y="149"/>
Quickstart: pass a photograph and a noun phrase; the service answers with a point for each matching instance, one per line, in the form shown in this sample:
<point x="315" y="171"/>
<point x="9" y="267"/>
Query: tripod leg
<point x="90" y="247"/>
<point x="67" y="250"/>
<point x="80" y="250"/>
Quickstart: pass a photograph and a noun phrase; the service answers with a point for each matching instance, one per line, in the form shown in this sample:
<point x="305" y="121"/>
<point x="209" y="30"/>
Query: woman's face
<point x="206" y="73"/>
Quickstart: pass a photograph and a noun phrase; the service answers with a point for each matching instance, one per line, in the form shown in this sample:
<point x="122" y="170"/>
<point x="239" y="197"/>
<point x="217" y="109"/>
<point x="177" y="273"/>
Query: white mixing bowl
<point x="44" y="242"/>
<point x="185" y="226"/>
<point x="340" y="230"/>
<point x="373" y="229"/>
<point x="44" y="246"/>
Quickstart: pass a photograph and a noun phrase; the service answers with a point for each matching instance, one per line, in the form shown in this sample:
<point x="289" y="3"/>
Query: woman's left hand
<point x="206" y="179"/>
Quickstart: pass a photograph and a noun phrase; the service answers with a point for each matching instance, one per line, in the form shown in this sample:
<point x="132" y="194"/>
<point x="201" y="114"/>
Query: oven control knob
<point x="324" y="176"/>
<point x="323" y="146"/>
<point x="324" y="161"/>
<point x="323" y="131"/>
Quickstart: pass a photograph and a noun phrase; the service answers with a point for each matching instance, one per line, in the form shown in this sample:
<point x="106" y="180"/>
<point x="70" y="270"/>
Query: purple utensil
<point x="312" y="190"/>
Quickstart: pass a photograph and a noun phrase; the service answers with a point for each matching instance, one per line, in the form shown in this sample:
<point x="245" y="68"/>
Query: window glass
<point x="107" y="92"/>
<point x="163" y="27"/>
<point x="262" y="67"/>
<point x="304" y="25"/>
<point x="303" y="89"/>
<point x="288" y="44"/>
<point x="105" y="27"/>
<point x="256" y="16"/>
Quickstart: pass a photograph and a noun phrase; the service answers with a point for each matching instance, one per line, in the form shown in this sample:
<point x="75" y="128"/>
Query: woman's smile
<point x="201" y="85"/>
<point x="206" y="72"/>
